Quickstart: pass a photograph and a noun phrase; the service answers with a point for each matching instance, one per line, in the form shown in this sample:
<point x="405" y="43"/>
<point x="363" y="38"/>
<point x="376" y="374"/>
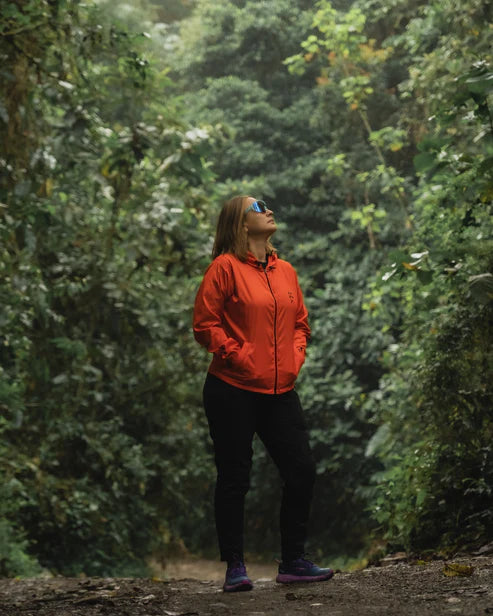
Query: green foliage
<point x="100" y="203"/>
<point x="386" y="190"/>
<point x="436" y="491"/>
<point x="14" y="547"/>
<point x="374" y="144"/>
<point x="436" y="399"/>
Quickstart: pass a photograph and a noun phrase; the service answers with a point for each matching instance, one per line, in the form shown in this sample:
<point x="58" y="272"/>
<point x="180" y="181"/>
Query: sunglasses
<point x="257" y="206"/>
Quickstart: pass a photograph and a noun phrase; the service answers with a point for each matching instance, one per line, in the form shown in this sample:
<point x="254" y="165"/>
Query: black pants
<point x="234" y="416"/>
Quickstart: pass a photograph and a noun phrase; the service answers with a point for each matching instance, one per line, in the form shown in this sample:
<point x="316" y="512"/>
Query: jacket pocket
<point x="299" y="358"/>
<point x="243" y="360"/>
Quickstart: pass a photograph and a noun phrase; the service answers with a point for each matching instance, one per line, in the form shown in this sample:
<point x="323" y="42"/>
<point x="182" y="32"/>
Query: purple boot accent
<point x="302" y="570"/>
<point x="237" y="578"/>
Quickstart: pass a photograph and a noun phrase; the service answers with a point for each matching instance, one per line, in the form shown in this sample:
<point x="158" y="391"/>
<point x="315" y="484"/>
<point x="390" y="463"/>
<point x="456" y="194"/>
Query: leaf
<point x="432" y="143"/>
<point x="482" y="84"/>
<point x="379" y="438"/>
<point x="455" y="569"/>
<point x="389" y="274"/>
<point x="481" y="287"/>
<point x="487" y="165"/>
<point x="66" y="85"/>
<point x="398" y="257"/>
<point x="60" y="378"/>
<point x="424" y="276"/>
<point x="420" y="497"/>
<point x="424" y="162"/>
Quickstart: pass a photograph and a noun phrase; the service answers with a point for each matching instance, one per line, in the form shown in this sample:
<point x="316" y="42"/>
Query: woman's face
<point x="258" y="223"/>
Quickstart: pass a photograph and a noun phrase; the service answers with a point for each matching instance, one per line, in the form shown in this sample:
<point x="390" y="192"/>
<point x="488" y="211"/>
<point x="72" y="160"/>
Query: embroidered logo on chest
<point x="291" y="297"/>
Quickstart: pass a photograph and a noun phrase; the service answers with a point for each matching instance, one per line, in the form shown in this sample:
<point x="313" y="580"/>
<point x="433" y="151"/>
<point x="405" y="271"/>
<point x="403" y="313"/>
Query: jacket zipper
<point x="275" y="330"/>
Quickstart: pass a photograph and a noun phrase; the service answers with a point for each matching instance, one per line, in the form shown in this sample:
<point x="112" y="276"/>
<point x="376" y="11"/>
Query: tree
<point x="101" y="224"/>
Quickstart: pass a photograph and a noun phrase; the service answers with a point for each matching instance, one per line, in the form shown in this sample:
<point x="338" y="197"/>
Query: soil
<point x="402" y="587"/>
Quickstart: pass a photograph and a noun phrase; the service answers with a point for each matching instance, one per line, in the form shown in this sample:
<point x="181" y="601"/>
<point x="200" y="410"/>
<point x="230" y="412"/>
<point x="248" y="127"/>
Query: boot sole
<point x="240" y="587"/>
<point x="287" y="578"/>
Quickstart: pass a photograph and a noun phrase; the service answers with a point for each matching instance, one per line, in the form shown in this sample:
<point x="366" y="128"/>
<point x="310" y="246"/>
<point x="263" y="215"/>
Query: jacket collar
<point x="271" y="261"/>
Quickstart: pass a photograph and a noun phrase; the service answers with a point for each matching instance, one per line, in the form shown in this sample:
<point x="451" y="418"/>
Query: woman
<point x="249" y="313"/>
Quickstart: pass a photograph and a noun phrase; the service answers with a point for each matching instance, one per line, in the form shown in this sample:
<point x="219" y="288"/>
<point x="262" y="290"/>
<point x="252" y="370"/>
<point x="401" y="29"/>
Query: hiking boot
<point x="302" y="570"/>
<point x="237" y="578"/>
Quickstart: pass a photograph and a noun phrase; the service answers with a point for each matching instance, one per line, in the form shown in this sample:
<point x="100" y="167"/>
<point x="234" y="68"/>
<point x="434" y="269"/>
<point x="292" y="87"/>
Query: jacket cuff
<point x="229" y="348"/>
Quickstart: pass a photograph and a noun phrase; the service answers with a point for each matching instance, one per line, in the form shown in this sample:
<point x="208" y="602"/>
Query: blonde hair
<point x="231" y="236"/>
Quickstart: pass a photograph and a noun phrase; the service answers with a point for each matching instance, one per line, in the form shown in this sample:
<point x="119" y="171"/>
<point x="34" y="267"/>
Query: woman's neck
<point x="258" y="249"/>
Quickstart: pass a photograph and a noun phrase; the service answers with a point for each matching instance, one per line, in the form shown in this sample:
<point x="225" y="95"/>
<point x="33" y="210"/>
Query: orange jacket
<point x="254" y="321"/>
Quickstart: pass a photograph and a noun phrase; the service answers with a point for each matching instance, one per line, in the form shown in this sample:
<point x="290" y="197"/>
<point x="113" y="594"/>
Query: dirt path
<point x="401" y="589"/>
